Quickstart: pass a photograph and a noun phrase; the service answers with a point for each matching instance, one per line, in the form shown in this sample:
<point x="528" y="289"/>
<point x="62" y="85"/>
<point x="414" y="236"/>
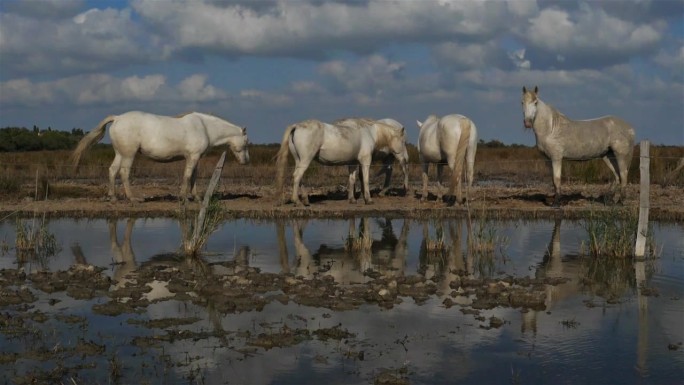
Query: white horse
<point x="451" y="139"/>
<point x="383" y="153"/>
<point x="331" y="144"/>
<point x="559" y="137"/>
<point x="163" y="138"/>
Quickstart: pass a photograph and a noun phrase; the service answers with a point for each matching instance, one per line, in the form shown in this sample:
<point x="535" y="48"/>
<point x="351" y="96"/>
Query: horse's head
<point x="397" y="143"/>
<point x="238" y="145"/>
<point x="529" y="106"/>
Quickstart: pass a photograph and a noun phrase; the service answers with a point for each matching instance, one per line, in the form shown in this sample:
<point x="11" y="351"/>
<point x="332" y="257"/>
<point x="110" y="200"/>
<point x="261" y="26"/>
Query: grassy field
<point x="19" y="171"/>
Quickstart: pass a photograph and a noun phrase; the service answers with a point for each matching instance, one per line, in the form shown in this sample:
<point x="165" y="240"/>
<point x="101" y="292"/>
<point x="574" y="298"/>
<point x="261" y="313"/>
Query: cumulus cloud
<point x="89" y="41"/>
<point x="100" y="89"/>
<point x="370" y="75"/>
<point x="470" y="56"/>
<point x="587" y="38"/>
<point x="316" y="28"/>
<point x="518" y="59"/>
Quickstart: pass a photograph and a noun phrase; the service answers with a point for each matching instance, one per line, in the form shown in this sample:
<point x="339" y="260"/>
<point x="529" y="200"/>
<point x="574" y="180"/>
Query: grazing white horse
<point x="559" y="137"/>
<point x="451" y="139"/>
<point x="163" y="138"/>
<point x="332" y="144"/>
<point x="384" y="153"/>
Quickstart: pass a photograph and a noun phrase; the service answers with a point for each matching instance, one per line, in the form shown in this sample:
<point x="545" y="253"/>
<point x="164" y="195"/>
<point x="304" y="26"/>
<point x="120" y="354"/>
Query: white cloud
<point x="469" y="56"/>
<point x="87" y="42"/>
<point x="299" y="27"/>
<point x="87" y="90"/>
<point x="590" y="30"/>
<point x="370" y="75"/>
<point x="518" y="59"/>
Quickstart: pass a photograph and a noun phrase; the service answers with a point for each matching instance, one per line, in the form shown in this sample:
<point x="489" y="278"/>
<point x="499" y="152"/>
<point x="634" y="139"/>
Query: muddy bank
<point x="667" y="203"/>
<point x="223" y="288"/>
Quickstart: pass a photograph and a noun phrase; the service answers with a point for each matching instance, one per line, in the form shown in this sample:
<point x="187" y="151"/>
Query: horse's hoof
<point x="369" y="202"/>
<point x="352" y="201"/>
<point x="136" y="200"/>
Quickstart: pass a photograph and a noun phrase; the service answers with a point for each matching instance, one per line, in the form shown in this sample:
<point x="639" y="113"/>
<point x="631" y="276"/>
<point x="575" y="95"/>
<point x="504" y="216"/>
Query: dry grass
<point x="509" y="165"/>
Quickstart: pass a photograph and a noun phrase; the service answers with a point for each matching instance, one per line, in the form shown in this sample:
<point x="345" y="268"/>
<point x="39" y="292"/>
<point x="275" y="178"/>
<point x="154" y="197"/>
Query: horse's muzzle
<point x="527" y="123"/>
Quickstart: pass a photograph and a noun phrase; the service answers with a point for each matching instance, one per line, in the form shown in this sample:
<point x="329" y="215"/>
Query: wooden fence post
<point x="644" y="201"/>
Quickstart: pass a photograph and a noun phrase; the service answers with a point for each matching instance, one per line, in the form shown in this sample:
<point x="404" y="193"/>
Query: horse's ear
<point x="419" y="123"/>
<point x="244" y="130"/>
<point x="524" y="89"/>
<point x="536" y="90"/>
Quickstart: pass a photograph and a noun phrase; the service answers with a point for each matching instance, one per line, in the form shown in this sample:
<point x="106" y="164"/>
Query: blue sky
<point x="268" y="64"/>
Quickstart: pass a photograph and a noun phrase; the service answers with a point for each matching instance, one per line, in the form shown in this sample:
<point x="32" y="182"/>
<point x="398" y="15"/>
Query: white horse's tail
<point x="460" y="158"/>
<point x="94" y="136"/>
<point x="281" y="161"/>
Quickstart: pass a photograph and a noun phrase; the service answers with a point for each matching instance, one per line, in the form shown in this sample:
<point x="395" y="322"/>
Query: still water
<point x="599" y="327"/>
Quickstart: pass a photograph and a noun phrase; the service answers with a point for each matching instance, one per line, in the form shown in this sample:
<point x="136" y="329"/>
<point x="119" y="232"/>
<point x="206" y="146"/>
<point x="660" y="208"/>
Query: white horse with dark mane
<point x="163" y="138"/>
<point x="332" y="144"/>
<point x="383" y="153"/>
<point x="559" y="137"/>
<point x="451" y="139"/>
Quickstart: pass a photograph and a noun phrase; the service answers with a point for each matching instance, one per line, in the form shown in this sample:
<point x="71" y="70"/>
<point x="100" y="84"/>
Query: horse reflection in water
<point x="125" y="266"/>
<point x="606" y="277"/>
<point x="353" y="262"/>
<point x="122" y="253"/>
<point x="573" y="275"/>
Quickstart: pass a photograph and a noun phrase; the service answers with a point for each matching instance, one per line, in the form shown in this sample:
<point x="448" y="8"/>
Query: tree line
<point x="35" y="139"/>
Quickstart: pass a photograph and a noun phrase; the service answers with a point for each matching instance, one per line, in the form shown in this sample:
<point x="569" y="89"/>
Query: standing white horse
<point x="163" y="138"/>
<point x="331" y="144"/>
<point x="451" y="139"/>
<point x="384" y="153"/>
<point x="559" y="137"/>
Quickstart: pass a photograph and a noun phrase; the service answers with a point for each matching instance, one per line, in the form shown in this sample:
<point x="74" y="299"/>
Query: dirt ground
<point x="83" y="199"/>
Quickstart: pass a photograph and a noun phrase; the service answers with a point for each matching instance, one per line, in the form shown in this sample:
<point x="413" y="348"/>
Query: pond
<point x="371" y="300"/>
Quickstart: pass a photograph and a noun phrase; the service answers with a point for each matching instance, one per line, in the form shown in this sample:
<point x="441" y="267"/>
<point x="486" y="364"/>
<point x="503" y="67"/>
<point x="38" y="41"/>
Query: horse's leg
<point x="424" y="195"/>
<point x="190" y="165"/>
<point x="365" y="171"/>
<point x="125" y="171"/>
<point x="440" y="188"/>
<point x="404" y="169"/>
<point x="611" y="162"/>
<point x="556" y="167"/>
<point x="387" y="163"/>
<point x="193" y="184"/>
<point x="456" y="185"/>
<point x="296" y="182"/>
<point x="352" y="183"/>
<point x="623" y="167"/>
<point x="113" y="170"/>
<point x="470" y="164"/>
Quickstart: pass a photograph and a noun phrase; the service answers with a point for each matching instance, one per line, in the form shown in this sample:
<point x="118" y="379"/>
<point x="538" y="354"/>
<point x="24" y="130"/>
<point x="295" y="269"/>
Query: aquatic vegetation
<point x="200" y="230"/>
<point x="34" y="240"/>
<point x="613" y="234"/>
<point x="485" y="243"/>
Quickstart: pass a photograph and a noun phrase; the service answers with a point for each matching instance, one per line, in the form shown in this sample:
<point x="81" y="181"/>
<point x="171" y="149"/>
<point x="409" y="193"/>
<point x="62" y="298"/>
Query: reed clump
<point x="34" y="240"/>
<point x="360" y="242"/>
<point x="193" y="245"/>
<point x="612" y="234"/>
